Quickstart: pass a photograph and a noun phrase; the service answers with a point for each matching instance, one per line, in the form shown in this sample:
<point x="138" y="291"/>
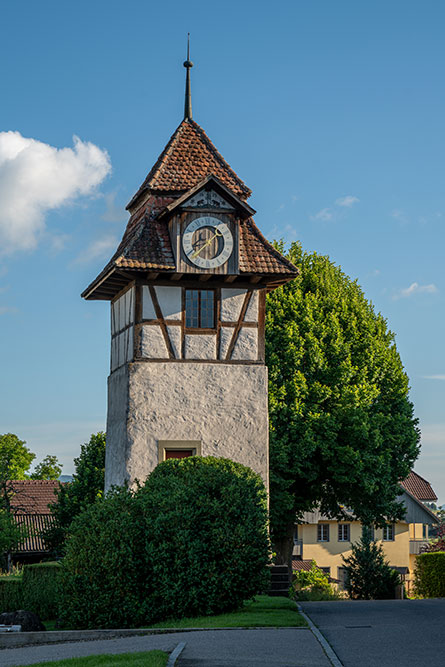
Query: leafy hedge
<point x="11" y="594"/>
<point x="35" y="590"/>
<point x="193" y="540"/>
<point x="429" y="575"/>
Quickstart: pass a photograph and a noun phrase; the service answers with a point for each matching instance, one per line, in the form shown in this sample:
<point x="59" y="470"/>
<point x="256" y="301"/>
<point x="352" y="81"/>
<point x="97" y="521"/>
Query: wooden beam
<point x="255" y="279"/>
<point x="152" y="276"/>
<point x="239" y="324"/>
<point x="176" y="276"/>
<point x="205" y="277"/>
<point x="160" y="317"/>
<point x="230" y="279"/>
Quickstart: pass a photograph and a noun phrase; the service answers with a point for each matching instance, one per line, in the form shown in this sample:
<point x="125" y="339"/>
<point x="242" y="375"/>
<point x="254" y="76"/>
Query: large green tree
<point x="48" y="468"/>
<point x="342" y="430"/>
<point x="76" y="496"/>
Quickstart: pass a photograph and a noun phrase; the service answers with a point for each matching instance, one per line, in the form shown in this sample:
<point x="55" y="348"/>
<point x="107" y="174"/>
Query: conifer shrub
<point x="429" y="575"/>
<point x="368" y="575"/>
<point x="192" y="541"/>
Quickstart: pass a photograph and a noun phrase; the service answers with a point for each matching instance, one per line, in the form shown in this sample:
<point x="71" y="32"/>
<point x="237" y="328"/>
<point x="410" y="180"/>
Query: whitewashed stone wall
<point x="223" y="406"/>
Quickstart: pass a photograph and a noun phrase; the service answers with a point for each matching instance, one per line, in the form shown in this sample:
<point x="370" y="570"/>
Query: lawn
<point x="263" y="611"/>
<point x="145" y="659"/>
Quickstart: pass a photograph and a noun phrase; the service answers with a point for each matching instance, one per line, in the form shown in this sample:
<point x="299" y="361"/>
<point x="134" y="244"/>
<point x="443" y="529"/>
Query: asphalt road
<point x="269" y="647"/>
<point x="387" y="633"/>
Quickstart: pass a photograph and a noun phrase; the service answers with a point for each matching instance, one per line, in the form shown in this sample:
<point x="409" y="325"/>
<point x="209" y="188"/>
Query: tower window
<point x="199" y="309"/>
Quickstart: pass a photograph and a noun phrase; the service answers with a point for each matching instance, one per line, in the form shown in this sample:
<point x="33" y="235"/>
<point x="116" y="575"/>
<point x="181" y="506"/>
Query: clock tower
<point x="187" y="287"/>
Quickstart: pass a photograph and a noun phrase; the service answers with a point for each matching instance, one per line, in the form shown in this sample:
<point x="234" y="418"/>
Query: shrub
<point x="104" y="579"/>
<point x="368" y="575"/>
<point x="429" y="575"/>
<point x="209" y="544"/>
<point x="192" y="541"/>
<point x="11" y="594"/>
<point x="312" y="585"/>
<point x="40" y="589"/>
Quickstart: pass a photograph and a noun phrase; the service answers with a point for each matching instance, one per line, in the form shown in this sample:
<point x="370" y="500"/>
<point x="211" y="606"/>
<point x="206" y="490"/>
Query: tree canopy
<point x="49" y="468"/>
<point x="342" y="429"/>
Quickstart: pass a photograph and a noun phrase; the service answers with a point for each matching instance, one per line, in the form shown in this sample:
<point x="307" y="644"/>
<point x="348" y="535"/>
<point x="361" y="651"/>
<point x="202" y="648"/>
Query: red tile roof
<point x="189" y="157"/>
<point x="419" y="487"/>
<point x="257" y="255"/>
<point x="32" y="496"/>
<point x="299" y="564"/>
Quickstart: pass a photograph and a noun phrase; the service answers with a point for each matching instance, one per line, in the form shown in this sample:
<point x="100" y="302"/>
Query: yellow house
<point x="326" y="540"/>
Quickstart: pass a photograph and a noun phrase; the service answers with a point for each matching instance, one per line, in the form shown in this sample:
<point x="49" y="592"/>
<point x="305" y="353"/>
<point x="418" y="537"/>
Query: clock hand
<point x="196" y="253"/>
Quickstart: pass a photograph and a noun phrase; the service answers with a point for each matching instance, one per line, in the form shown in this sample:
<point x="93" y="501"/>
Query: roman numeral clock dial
<point x="207" y="242"/>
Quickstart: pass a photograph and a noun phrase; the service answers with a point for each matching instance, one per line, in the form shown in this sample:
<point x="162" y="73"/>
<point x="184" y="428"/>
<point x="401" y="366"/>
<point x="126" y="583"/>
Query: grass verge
<point x="262" y="612"/>
<point x="145" y="659"/>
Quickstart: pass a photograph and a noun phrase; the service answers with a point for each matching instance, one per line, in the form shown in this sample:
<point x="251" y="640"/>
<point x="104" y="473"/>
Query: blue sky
<point x="332" y="113"/>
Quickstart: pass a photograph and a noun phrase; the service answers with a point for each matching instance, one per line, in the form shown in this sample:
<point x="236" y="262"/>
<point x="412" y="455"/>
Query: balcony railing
<point x="417" y="546"/>
<point x="298" y="548"/>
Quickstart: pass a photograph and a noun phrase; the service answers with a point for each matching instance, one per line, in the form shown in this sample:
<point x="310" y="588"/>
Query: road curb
<point x="19" y="639"/>
<point x="174" y="655"/>
<point x="327" y="648"/>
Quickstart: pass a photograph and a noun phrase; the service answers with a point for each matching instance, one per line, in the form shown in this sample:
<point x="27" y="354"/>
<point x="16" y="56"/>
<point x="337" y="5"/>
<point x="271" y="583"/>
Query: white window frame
<point x="387" y="530"/>
<point x="344" y="532"/>
<point x="323" y="532"/>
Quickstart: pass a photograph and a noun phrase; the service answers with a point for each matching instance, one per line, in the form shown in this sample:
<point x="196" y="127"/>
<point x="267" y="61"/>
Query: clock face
<point x="207" y="242"/>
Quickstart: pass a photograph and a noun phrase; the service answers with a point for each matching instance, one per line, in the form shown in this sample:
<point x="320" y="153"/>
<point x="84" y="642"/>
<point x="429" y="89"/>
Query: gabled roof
<point x="32" y="496"/>
<point x="189" y="157"/>
<point x="419" y="487"/>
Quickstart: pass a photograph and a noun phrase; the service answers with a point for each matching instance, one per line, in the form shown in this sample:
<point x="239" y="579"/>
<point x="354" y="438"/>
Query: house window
<point x="199" y="309"/>
<point x="326" y="570"/>
<point x="343" y="532"/>
<point x="388" y="532"/>
<point x="178" y="449"/>
<point x="323" y="532"/>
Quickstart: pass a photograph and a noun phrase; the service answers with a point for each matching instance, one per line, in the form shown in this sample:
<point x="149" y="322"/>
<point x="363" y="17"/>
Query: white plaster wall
<point x="226" y="334"/>
<point x="200" y="346"/>
<point x="222" y="405"/>
<point x="252" y="309"/>
<point x="170" y="302"/>
<point x="148" y="311"/>
<point x="174" y="333"/>
<point x="122" y="311"/>
<point x="152" y="342"/>
<point x="246" y="346"/>
<point x="231" y="303"/>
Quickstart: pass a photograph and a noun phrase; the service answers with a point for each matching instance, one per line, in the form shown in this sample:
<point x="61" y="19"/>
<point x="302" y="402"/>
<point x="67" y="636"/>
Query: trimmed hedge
<point x="11" y="594"/>
<point x="40" y="592"/>
<point x="429" y="575"/>
<point x="35" y="590"/>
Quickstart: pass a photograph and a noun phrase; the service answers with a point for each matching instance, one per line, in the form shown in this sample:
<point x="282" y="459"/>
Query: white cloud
<point x="113" y="213"/>
<point x="415" y="288"/>
<point x="101" y="248"/>
<point x="36" y="178"/>
<point x="325" y="214"/>
<point x="347" y="201"/>
<point x="433" y="377"/>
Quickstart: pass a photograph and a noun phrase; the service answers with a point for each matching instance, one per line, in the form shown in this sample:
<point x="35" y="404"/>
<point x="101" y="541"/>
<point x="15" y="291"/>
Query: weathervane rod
<point x="188" y="95"/>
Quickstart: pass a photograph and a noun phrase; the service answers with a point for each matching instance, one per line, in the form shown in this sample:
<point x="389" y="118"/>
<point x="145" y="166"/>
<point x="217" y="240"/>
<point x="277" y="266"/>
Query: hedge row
<point x="429" y="575"/>
<point x="35" y="591"/>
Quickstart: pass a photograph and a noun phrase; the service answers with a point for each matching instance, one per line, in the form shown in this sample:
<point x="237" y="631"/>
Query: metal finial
<point x="188" y="95"/>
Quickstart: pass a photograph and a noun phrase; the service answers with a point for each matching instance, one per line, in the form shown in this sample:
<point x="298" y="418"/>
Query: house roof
<point x="188" y="157"/>
<point x="32" y="496"/>
<point x="419" y="487"/>
<point x="36" y="525"/>
<point x="299" y="564"/>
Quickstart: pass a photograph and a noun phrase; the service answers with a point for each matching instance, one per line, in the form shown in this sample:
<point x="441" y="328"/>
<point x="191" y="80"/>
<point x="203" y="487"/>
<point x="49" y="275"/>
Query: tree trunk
<point x="284" y="547"/>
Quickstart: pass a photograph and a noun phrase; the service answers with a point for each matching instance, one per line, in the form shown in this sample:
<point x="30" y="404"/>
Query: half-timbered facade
<point x="187" y="287"/>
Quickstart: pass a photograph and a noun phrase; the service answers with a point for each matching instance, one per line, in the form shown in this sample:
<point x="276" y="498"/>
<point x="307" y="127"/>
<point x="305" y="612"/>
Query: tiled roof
<point x="189" y="157"/>
<point x="419" y="487"/>
<point x="300" y="564"/>
<point x="36" y="525"/>
<point x="257" y="255"/>
<point x="32" y="496"/>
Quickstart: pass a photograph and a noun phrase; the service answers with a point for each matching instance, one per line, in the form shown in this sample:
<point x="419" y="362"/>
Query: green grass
<point x="262" y="612"/>
<point x="145" y="659"/>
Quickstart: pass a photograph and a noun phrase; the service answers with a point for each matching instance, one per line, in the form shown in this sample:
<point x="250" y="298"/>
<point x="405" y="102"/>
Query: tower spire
<point x="188" y="95"/>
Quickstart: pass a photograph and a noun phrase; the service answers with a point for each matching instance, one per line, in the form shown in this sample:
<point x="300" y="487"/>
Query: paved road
<point x="387" y="633"/>
<point x="223" y="648"/>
